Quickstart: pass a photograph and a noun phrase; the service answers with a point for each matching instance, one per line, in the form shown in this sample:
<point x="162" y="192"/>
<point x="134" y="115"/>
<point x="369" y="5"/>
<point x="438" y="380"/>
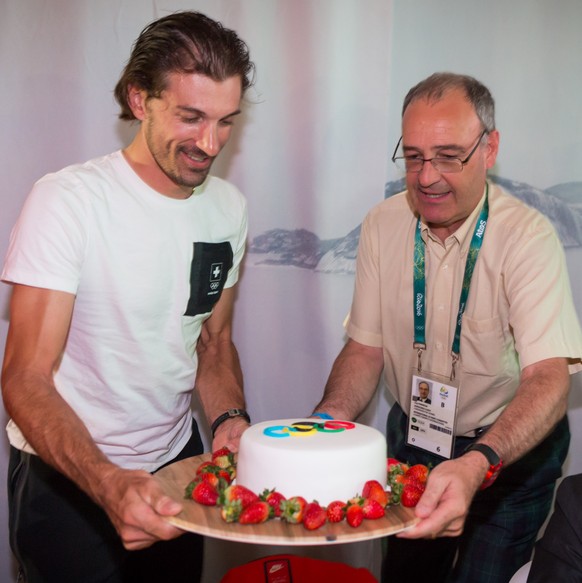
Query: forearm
<point x="352" y="382"/>
<point x="133" y="499"/>
<point x="539" y="404"/>
<point x="219" y="379"/>
<point x="54" y="430"/>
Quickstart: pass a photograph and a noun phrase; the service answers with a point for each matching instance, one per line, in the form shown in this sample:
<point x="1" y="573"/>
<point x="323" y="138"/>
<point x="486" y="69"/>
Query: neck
<point x="142" y="162"/>
<point x="443" y="232"/>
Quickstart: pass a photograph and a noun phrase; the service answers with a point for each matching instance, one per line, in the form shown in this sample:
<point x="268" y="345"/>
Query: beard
<point x="172" y="161"/>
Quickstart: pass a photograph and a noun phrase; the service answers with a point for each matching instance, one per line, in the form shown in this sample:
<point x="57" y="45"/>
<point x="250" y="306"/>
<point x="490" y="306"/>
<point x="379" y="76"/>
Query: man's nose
<point x="208" y="140"/>
<point x="428" y="174"/>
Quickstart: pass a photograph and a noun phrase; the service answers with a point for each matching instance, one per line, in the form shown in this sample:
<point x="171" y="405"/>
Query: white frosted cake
<point x="314" y="458"/>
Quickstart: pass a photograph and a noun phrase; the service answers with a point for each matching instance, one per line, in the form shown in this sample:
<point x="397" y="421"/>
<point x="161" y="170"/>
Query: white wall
<point x="312" y="152"/>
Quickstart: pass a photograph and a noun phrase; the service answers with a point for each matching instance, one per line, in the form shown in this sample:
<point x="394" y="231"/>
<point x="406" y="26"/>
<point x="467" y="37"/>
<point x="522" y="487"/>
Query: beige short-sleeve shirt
<point x="519" y="310"/>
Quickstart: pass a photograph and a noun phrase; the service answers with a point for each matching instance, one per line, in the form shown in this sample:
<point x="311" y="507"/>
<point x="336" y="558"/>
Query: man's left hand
<point x="445" y="503"/>
<point x="228" y="434"/>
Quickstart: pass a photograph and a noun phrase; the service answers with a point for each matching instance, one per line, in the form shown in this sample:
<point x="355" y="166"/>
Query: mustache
<point x="195" y="152"/>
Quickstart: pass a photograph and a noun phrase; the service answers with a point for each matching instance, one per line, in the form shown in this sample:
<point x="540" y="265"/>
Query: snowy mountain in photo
<point x="562" y="204"/>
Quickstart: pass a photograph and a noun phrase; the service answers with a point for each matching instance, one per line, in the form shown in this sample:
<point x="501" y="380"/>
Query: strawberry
<point x="375" y="491"/>
<point x="400" y="478"/>
<point x="392" y="462"/>
<point x="206" y="467"/>
<point x="202" y="492"/>
<point x="227" y="474"/>
<point x="274" y="498"/>
<point x="231" y="511"/>
<point x="417" y="473"/>
<point x="410" y="495"/>
<point x="292" y="509"/>
<point x="223" y="457"/>
<point x="213" y="480"/>
<point x="372" y="509"/>
<point x="396" y="480"/>
<point x="255" y="513"/>
<point x="314" y="516"/>
<point x="336" y="511"/>
<point x="354" y="515"/>
<point x="237" y="492"/>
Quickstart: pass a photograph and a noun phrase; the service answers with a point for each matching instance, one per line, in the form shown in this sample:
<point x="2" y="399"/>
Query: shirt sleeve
<point x="364" y="324"/>
<point x="239" y="244"/>
<point x="542" y="312"/>
<point x="47" y="243"/>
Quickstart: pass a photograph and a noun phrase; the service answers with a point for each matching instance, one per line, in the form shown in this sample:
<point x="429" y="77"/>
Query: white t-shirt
<point x="146" y="270"/>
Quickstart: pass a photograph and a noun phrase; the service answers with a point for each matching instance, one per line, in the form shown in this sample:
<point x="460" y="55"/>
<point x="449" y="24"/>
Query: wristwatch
<point x="495" y="463"/>
<point x="227" y="415"/>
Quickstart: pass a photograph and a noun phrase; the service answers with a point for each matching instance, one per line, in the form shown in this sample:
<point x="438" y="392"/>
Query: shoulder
<point x="392" y="210"/>
<point x="77" y="180"/>
<point x="220" y="187"/>
<point x="513" y="218"/>
<point x="518" y="234"/>
<point x="222" y="196"/>
<point x="395" y="203"/>
<point x="391" y="222"/>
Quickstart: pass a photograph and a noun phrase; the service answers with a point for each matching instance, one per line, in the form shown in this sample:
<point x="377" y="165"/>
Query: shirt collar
<point x="464" y="233"/>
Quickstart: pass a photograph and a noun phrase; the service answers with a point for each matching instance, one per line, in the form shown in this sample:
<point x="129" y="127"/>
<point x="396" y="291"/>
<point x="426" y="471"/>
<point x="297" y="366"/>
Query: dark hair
<point x="184" y="42"/>
<point x="433" y="88"/>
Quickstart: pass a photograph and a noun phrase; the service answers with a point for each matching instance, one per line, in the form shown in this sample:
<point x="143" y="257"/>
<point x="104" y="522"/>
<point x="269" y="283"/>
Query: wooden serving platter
<point x="206" y="520"/>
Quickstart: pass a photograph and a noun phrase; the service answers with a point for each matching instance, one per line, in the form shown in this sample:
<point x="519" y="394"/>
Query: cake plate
<point x="206" y="520"/>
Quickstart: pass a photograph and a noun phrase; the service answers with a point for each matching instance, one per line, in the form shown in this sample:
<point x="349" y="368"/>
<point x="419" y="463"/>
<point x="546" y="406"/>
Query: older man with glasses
<point x="461" y="285"/>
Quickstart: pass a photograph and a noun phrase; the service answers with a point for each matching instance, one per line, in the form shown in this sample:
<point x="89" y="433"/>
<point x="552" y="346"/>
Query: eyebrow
<point x="200" y="113"/>
<point x="454" y="147"/>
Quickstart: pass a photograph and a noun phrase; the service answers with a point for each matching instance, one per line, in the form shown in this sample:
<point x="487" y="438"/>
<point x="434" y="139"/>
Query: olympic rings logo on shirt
<point x="307" y="428"/>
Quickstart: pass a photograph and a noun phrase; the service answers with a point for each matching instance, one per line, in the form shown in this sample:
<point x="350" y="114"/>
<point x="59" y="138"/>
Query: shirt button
<point x="439" y="345"/>
<point x="445" y="266"/>
<point x="440" y="308"/>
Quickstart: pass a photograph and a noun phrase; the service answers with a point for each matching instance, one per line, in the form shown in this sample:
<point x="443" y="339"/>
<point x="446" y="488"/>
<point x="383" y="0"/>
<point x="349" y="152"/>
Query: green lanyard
<point x="419" y="279"/>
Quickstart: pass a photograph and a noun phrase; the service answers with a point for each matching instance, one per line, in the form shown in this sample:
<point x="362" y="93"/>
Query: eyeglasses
<point x="440" y="163"/>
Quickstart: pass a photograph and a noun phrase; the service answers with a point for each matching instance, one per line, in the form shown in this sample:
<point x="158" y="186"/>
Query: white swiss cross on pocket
<point x="215" y="271"/>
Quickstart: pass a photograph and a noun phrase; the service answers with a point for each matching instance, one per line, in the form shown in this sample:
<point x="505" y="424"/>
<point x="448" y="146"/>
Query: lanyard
<point x="419" y="279"/>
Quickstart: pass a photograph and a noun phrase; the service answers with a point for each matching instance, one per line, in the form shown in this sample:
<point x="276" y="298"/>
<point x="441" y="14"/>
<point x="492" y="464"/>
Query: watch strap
<point x="495" y="462"/>
<point x="322" y="415"/>
<point x="229" y="415"/>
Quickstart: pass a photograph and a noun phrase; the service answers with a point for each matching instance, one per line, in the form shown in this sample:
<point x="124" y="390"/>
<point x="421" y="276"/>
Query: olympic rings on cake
<point x="307" y="428"/>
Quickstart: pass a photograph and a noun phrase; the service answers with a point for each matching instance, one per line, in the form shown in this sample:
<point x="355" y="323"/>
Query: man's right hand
<point x="137" y="506"/>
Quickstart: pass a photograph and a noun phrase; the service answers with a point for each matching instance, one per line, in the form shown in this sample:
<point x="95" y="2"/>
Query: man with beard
<point x="462" y="285"/>
<point x="123" y="271"/>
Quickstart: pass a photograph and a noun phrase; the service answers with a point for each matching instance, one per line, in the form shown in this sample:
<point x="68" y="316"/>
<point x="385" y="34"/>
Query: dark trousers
<point x="59" y="535"/>
<point x="558" y="554"/>
<point x="503" y="521"/>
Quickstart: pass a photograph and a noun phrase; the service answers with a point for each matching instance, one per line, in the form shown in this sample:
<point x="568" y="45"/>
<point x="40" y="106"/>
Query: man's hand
<point x="137" y="507"/>
<point x="445" y="503"/>
<point x="228" y="434"/>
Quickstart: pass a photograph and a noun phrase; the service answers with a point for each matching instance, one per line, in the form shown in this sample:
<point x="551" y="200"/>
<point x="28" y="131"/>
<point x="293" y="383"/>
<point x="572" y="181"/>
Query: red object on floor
<point x="294" y="569"/>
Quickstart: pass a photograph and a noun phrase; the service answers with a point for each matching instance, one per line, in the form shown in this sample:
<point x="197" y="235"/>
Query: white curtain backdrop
<point x="311" y="153"/>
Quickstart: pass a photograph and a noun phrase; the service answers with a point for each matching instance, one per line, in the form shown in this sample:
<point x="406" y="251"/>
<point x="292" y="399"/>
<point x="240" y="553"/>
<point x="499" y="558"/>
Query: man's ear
<point x="136" y="99"/>
<point x="492" y="148"/>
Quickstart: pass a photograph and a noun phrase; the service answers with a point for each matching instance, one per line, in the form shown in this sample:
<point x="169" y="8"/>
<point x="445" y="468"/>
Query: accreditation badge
<point x="433" y="409"/>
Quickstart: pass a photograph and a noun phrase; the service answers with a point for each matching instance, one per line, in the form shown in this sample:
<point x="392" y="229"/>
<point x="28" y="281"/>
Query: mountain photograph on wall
<point x="562" y="204"/>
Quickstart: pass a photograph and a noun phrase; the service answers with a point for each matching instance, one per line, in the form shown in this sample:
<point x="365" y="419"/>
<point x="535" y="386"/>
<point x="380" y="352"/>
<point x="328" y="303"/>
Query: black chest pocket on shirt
<point x="208" y="272"/>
